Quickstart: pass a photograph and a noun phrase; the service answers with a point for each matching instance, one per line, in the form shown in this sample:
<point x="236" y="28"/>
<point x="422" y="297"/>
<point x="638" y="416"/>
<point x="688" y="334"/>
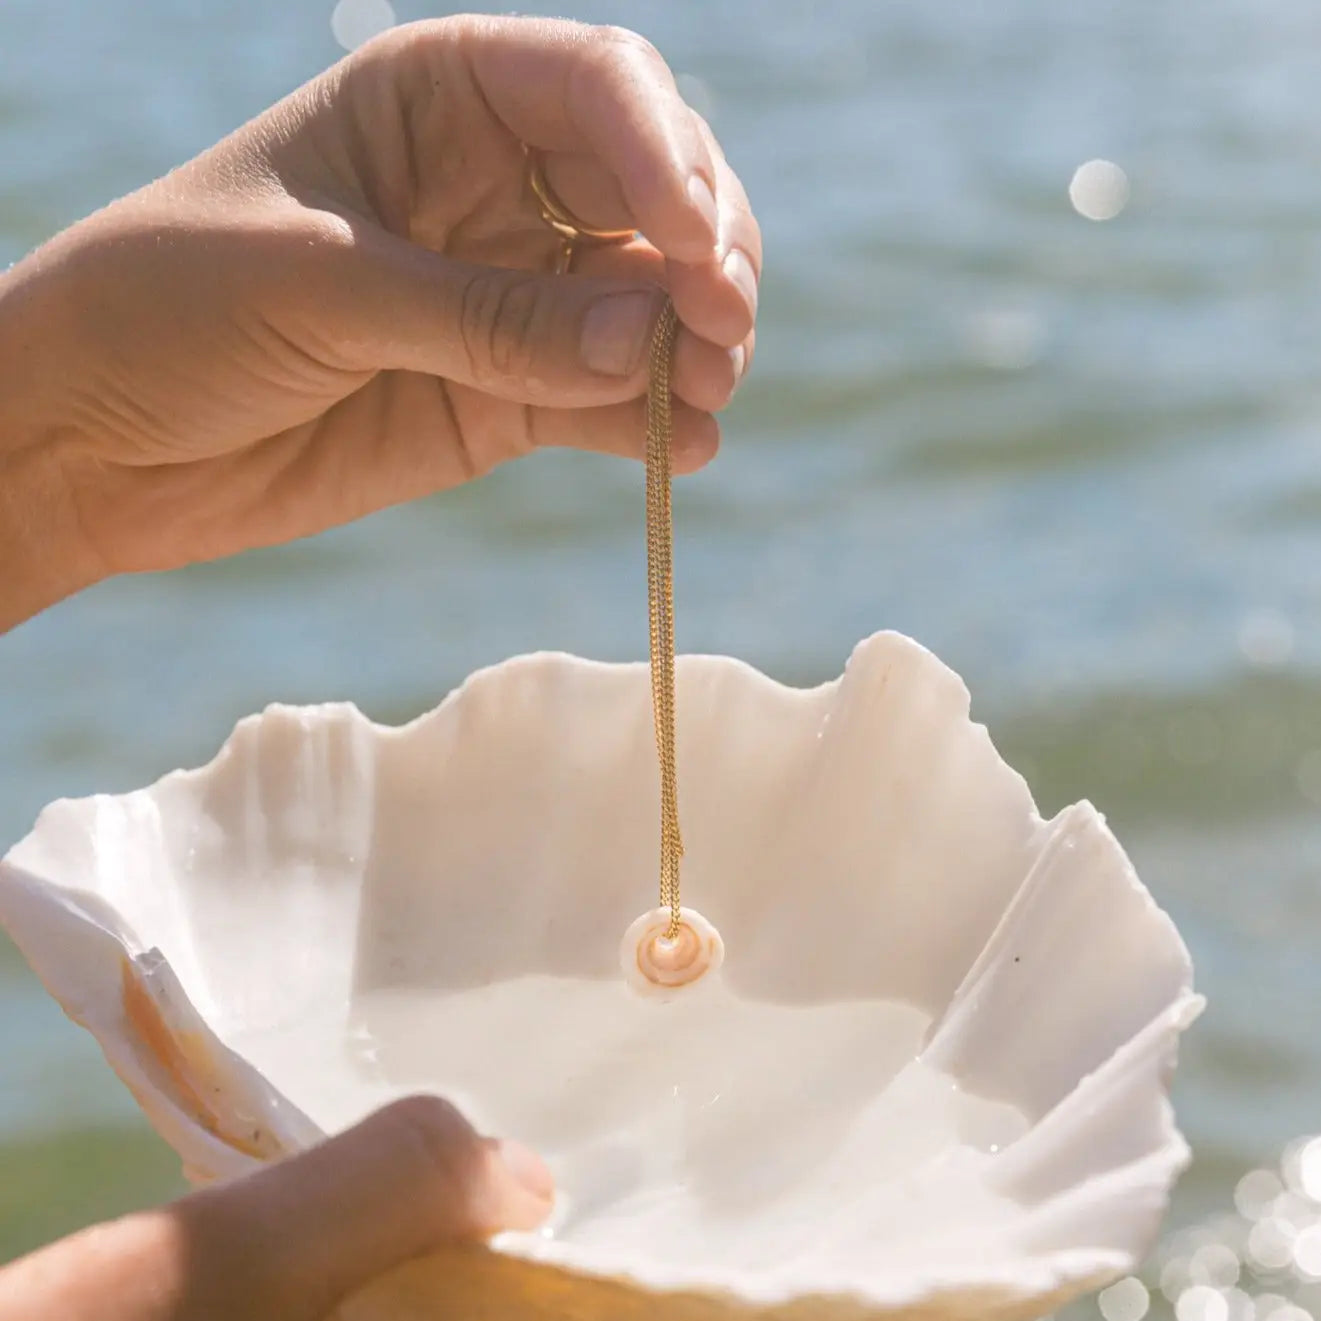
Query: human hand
<point x="294" y="1240"/>
<point x="347" y="304"/>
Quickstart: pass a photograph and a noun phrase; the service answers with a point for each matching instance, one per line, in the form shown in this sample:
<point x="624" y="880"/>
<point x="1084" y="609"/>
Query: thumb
<point x="293" y="1240"/>
<point x="565" y="341"/>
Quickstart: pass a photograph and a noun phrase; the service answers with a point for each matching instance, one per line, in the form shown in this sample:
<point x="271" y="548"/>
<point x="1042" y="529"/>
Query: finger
<point x="294" y="1239"/>
<point x="398" y="438"/>
<point x="494" y="432"/>
<point x="388" y="304"/>
<point x="589" y="190"/>
<point x="621" y="430"/>
<point x="382" y="303"/>
<point x="607" y="93"/>
<point x="705" y="373"/>
<point x="718" y="299"/>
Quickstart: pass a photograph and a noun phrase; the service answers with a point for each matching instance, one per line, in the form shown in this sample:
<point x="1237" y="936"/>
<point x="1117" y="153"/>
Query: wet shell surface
<point x="909" y="1055"/>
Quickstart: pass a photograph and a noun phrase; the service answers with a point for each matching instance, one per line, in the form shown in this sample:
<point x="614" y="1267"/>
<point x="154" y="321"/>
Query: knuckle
<point x="328" y="233"/>
<point x="423" y="37"/>
<point x="617" y="52"/>
<point x="633" y="43"/>
<point x="436" y="1135"/>
<point x="419" y="1116"/>
<point x="611" y="64"/>
<point x="502" y="320"/>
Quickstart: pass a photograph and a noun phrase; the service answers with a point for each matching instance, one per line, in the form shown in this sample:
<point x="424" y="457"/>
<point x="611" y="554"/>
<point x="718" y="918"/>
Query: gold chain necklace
<point x="660" y="602"/>
<point x="670" y="947"/>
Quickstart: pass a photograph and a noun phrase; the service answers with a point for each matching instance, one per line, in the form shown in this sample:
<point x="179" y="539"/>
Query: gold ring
<point x="560" y="218"/>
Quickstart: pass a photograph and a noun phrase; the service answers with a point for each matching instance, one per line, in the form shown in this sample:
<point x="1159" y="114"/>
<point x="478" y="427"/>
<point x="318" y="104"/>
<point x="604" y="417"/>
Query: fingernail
<point x="738" y="271"/>
<point x="701" y="196"/>
<point x="615" y="332"/>
<point x="528" y="1169"/>
<point x="738" y="356"/>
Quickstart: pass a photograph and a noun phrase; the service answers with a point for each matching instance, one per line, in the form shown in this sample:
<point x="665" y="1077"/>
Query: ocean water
<point x="1081" y="461"/>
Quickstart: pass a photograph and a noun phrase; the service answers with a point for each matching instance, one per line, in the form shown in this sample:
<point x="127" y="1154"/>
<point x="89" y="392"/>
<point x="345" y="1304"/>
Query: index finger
<point x="607" y="92"/>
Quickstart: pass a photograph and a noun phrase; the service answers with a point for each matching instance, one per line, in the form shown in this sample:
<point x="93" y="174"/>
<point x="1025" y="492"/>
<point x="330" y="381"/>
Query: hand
<point x="348" y="304"/>
<point x="294" y="1240"/>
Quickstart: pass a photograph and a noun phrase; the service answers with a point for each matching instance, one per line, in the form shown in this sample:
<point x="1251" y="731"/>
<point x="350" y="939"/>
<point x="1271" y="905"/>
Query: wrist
<point x="43" y="556"/>
<point x="31" y="334"/>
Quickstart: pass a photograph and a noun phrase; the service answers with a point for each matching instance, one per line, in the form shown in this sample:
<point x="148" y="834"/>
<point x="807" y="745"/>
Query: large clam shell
<point x="929" y="1079"/>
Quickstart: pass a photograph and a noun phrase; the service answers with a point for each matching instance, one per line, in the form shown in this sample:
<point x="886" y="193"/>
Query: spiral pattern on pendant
<point x="655" y="963"/>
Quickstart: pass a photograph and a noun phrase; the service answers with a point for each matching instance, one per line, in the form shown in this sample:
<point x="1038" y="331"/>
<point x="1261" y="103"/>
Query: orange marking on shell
<point x="672" y="962"/>
<point x="654" y="964"/>
<point x="182" y="1056"/>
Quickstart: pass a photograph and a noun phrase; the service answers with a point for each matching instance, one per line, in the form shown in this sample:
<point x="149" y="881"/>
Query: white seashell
<point x="929" y="1079"/>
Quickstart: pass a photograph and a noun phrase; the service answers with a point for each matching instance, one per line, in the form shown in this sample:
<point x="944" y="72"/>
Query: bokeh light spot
<point x="1255" y="1191"/>
<point x="1266" y="1305"/>
<point x="1099" y="190"/>
<point x="1307" y="776"/>
<point x="1270" y="1244"/>
<point x="354" y="22"/>
<point x="1266" y="638"/>
<point x="1216" y="1265"/>
<point x="1201" y="1303"/>
<point x="1307" y="1252"/>
<point x="1125" y="1300"/>
<point x="1174" y="1278"/>
<point x="1239" y="1305"/>
<point x="1309" y="1159"/>
<point x="697" y="93"/>
<point x="1006" y="338"/>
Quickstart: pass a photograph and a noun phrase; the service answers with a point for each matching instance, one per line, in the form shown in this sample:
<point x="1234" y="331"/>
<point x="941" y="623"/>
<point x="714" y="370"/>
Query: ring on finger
<point x="570" y="229"/>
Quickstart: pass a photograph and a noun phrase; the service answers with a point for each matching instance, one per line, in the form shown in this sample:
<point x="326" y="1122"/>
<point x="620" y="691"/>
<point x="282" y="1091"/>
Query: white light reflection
<point x="1267" y="1304"/>
<point x="697" y="93"/>
<point x="1215" y="1264"/>
<point x="1211" y="1271"/>
<point x="1255" y="1191"/>
<point x="1298" y="1210"/>
<point x="1099" y="190"/>
<point x="1307" y="1252"/>
<point x="1309" y="1170"/>
<point x="1239" y="1305"/>
<point x="354" y="22"/>
<point x="1174" y="1278"/>
<point x="1201" y="1303"/>
<point x="1270" y="1244"/>
<point x="1266" y="638"/>
<point x="1006" y="338"/>
<point x="1125" y="1300"/>
<point x="1307" y="776"/>
<point x="1297" y="1154"/>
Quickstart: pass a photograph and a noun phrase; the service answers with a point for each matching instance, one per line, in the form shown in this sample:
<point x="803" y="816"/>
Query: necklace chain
<point x="660" y="602"/>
